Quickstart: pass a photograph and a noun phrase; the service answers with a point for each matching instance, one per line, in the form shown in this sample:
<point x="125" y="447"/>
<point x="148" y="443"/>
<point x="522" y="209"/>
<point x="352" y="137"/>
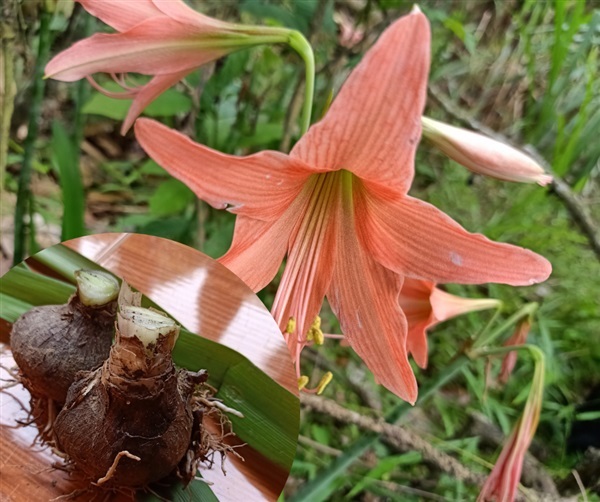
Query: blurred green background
<point x="528" y="70"/>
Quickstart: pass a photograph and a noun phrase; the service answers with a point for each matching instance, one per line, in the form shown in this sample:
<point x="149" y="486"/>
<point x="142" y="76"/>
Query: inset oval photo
<point x="136" y="368"/>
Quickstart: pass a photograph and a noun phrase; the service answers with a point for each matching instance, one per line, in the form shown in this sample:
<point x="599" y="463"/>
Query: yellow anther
<point x="327" y="377"/>
<point x="291" y="325"/>
<point x="302" y="382"/>
<point x="317" y="336"/>
<point x="310" y="336"/>
<point x="316" y="323"/>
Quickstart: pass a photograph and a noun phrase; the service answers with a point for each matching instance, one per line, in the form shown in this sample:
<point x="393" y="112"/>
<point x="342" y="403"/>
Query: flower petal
<point x="311" y="255"/>
<point x="446" y="306"/>
<point x="179" y="11"/>
<point x="364" y="297"/>
<point x="119" y="14"/>
<point x="261" y="186"/>
<point x="415" y="302"/>
<point x="416" y="342"/>
<point x="416" y="239"/>
<point x="257" y="250"/>
<point x="149" y="93"/>
<point x="373" y="126"/>
<point x="156" y="46"/>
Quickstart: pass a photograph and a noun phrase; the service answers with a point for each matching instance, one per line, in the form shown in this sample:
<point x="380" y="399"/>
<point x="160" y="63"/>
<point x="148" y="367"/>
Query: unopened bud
<point x="484" y="155"/>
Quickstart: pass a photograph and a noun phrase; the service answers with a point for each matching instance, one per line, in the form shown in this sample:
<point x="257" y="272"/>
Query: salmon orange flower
<point x="163" y="38"/>
<point x="425" y="306"/>
<point x="337" y="207"/>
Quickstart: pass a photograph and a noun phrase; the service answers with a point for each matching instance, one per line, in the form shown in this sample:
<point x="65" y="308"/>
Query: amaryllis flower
<point x="163" y="38"/>
<point x="425" y="306"/>
<point x="484" y="155"/>
<point x="337" y="207"/>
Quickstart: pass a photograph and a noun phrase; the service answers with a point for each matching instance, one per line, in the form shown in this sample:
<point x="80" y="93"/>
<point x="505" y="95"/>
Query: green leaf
<point x="11" y="308"/>
<point x="65" y="262"/>
<point x="320" y="434"/>
<point x="34" y="289"/>
<point x="384" y="467"/>
<point x="168" y="104"/>
<point x="265" y="134"/>
<point x="73" y="194"/>
<point x="196" y="490"/>
<point x="151" y="168"/>
<point x="170" y="198"/>
<point x="460" y="31"/>
<point x="175" y="228"/>
<point x="271" y="420"/>
<point x="102" y="105"/>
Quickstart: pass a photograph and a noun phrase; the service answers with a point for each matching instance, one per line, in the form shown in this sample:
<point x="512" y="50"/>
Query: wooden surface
<point x="207" y="299"/>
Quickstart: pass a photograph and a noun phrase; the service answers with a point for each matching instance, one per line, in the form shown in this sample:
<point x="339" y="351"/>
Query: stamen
<point x="291" y="325"/>
<point x="314" y="333"/>
<point x="318" y="336"/>
<point x="302" y="382"/>
<point x="327" y="377"/>
<point x="115" y="95"/>
<point x="120" y="79"/>
<point x="316" y="323"/>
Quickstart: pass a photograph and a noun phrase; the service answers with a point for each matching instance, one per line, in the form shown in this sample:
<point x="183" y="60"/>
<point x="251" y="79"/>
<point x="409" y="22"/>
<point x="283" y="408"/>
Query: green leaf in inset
<point x="271" y="413"/>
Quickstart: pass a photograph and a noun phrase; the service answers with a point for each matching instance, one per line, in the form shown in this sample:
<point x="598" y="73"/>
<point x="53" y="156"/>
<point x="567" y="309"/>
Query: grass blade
<point x="65" y="161"/>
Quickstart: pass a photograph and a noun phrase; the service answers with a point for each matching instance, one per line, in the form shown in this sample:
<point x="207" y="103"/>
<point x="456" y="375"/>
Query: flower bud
<point x="484" y="155"/>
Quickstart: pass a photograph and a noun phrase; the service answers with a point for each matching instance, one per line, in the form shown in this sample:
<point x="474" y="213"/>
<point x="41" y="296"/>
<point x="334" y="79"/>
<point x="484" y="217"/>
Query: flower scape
<point x="336" y="209"/>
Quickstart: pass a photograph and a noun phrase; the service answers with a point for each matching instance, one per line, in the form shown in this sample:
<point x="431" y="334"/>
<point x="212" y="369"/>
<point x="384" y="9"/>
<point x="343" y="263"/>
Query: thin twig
<point x="403" y="440"/>
<point x="398" y="437"/>
<point x="560" y="188"/>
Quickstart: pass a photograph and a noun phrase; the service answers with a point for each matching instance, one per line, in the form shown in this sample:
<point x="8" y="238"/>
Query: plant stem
<point x="536" y="353"/>
<point x="304" y="49"/>
<point x="487" y="338"/>
<point x="24" y="189"/>
<point x="7" y="84"/>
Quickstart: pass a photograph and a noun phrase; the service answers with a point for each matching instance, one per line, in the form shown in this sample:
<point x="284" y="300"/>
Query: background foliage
<point x="526" y="69"/>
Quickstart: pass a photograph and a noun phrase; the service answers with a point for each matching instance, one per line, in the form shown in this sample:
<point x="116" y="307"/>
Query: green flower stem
<point x="536" y="353"/>
<point x="24" y="189"/>
<point x="534" y="399"/>
<point x="302" y="46"/>
<point x="486" y="338"/>
<point x="484" y="331"/>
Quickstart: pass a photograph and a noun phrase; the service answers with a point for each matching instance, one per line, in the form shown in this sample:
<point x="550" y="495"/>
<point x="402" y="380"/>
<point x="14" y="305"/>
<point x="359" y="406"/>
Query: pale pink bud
<point x="484" y="155"/>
